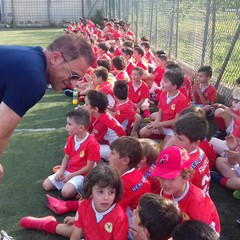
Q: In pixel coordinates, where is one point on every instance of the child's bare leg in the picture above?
(68, 190)
(48, 185)
(225, 168)
(166, 140)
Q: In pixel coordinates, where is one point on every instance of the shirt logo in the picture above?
(164, 159)
(108, 227)
(185, 216)
(173, 107)
(118, 112)
(82, 154)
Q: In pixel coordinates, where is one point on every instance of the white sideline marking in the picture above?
(38, 129)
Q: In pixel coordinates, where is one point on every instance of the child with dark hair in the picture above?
(171, 103)
(204, 93)
(173, 170)
(155, 217)
(119, 64)
(194, 230)
(140, 61)
(125, 110)
(82, 152)
(102, 50)
(99, 210)
(151, 150)
(127, 53)
(139, 92)
(148, 54)
(103, 126)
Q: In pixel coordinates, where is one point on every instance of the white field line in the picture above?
(38, 129)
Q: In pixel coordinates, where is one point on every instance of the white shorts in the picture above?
(237, 169)
(145, 105)
(76, 181)
(230, 127)
(167, 131)
(104, 151)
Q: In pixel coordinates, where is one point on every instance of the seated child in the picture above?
(173, 170)
(189, 130)
(171, 103)
(127, 53)
(119, 64)
(194, 230)
(151, 150)
(139, 92)
(82, 151)
(155, 217)
(125, 111)
(100, 184)
(231, 117)
(139, 59)
(103, 126)
(204, 93)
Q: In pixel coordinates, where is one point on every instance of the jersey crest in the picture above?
(108, 227)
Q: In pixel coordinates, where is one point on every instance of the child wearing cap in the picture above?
(231, 118)
(173, 170)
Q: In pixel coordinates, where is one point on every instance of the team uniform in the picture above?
(158, 73)
(155, 184)
(186, 88)
(194, 204)
(80, 152)
(149, 56)
(139, 93)
(123, 75)
(106, 88)
(16, 87)
(142, 63)
(170, 109)
(125, 113)
(108, 225)
(208, 92)
(130, 67)
(200, 163)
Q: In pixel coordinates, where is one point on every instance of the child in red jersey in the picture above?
(125, 110)
(171, 103)
(204, 93)
(103, 126)
(139, 92)
(99, 214)
(231, 118)
(173, 170)
(119, 64)
(139, 59)
(102, 49)
(148, 54)
(189, 130)
(151, 151)
(127, 53)
(82, 151)
(155, 217)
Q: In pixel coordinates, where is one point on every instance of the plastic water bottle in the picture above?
(75, 97)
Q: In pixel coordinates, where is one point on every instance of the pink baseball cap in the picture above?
(170, 163)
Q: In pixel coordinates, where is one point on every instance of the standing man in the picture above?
(25, 72)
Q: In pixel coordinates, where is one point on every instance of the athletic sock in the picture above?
(146, 113)
(72, 205)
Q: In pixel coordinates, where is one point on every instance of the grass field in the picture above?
(30, 156)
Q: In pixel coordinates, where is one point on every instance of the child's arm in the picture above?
(60, 175)
(198, 91)
(76, 234)
(229, 111)
(136, 124)
(82, 171)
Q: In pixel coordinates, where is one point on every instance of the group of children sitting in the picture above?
(130, 186)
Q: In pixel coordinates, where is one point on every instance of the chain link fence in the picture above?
(195, 33)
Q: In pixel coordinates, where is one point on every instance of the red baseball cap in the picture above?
(171, 161)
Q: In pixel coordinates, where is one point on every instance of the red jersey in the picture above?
(89, 149)
(236, 128)
(99, 33)
(209, 94)
(104, 57)
(155, 184)
(201, 177)
(137, 94)
(112, 224)
(125, 113)
(134, 186)
(175, 106)
(117, 51)
(106, 88)
(194, 204)
(123, 75)
(106, 129)
(158, 72)
(130, 67)
(186, 88)
(149, 56)
(142, 63)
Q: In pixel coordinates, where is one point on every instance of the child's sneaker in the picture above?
(215, 176)
(68, 92)
(236, 194)
(56, 205)
(36, 223)
(4, 236)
